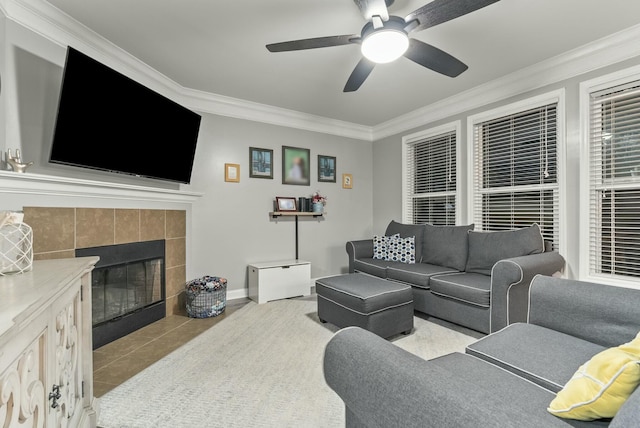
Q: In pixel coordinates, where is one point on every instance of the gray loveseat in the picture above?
(505, 379)
(475, 279)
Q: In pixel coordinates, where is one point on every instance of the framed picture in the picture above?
(347, 181)
(232, 172)
(295, 166)
(286, 204)
(326, 169)
(260, 163)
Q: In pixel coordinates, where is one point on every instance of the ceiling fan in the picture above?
(385, 38)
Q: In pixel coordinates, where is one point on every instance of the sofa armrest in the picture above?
(629, 413)
(383, 385)
(510, 280)
(357, 250)
(599, 313)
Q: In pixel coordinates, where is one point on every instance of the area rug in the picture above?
(260, 367)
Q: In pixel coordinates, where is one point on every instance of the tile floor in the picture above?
(119, 360)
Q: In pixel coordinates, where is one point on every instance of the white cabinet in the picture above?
(46, 365)
(279, 280)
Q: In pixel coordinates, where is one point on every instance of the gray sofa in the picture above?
(505, 379)
(479, 280)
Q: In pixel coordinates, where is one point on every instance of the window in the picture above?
(430, 183)
(614, 181)
(515, 168)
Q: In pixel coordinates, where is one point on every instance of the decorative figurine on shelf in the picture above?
(318, 201)
(16, 162)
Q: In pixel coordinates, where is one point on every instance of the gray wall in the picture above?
(232, 227)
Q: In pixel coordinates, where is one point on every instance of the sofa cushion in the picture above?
(593, 319)
(502, 392)
(543, 356)
(601, 385)
(487, 248)
(471, 288)
(371, 266)
(417, 274)
(408, 230)
(402, 249)
(446, 245)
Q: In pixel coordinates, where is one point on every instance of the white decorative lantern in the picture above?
(16, 244)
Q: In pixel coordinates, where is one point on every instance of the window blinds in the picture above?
(430, 191)
(614, 181)
(515, 172)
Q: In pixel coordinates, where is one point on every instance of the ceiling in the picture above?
(219, 47)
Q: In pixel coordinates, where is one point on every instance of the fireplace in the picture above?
(128, 288)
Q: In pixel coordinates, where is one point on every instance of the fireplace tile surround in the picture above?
(58, 232)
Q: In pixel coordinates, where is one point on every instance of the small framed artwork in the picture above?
(260, 163)
(286, 204)
(295, 166)
(347, 181)
(326, 169)
(232, 172)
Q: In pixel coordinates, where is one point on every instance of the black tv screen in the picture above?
(109, 122)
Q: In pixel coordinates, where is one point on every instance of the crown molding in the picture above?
(605, 51)
(241, 109)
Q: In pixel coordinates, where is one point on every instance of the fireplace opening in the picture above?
(128, 288)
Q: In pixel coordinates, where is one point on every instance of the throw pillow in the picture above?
(381, 246)
(406, 231)
(487, 248)
(600, 386)
(446, 245)
(402, 249)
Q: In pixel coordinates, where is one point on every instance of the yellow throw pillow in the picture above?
(600, 386)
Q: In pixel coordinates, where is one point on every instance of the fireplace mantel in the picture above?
(40, 184)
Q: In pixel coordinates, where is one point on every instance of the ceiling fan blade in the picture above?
(439, 11)
(434, 58)
(318, 42)
(370, 8)
(359, 75)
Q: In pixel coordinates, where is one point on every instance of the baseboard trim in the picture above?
(244, 293)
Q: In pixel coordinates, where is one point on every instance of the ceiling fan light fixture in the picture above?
(385, 45)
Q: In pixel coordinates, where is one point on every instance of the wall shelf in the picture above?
(275, 214)
(296, 215)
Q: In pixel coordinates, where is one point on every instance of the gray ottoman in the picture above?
(380, 306)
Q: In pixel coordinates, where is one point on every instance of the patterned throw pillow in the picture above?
(402, 249)
(380, 247)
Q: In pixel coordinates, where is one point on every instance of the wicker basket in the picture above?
(206, 297)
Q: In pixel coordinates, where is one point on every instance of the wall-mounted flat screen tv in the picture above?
(107, 121)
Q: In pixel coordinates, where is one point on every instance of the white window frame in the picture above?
(407, 140)
(557, 96)
(588, 87)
